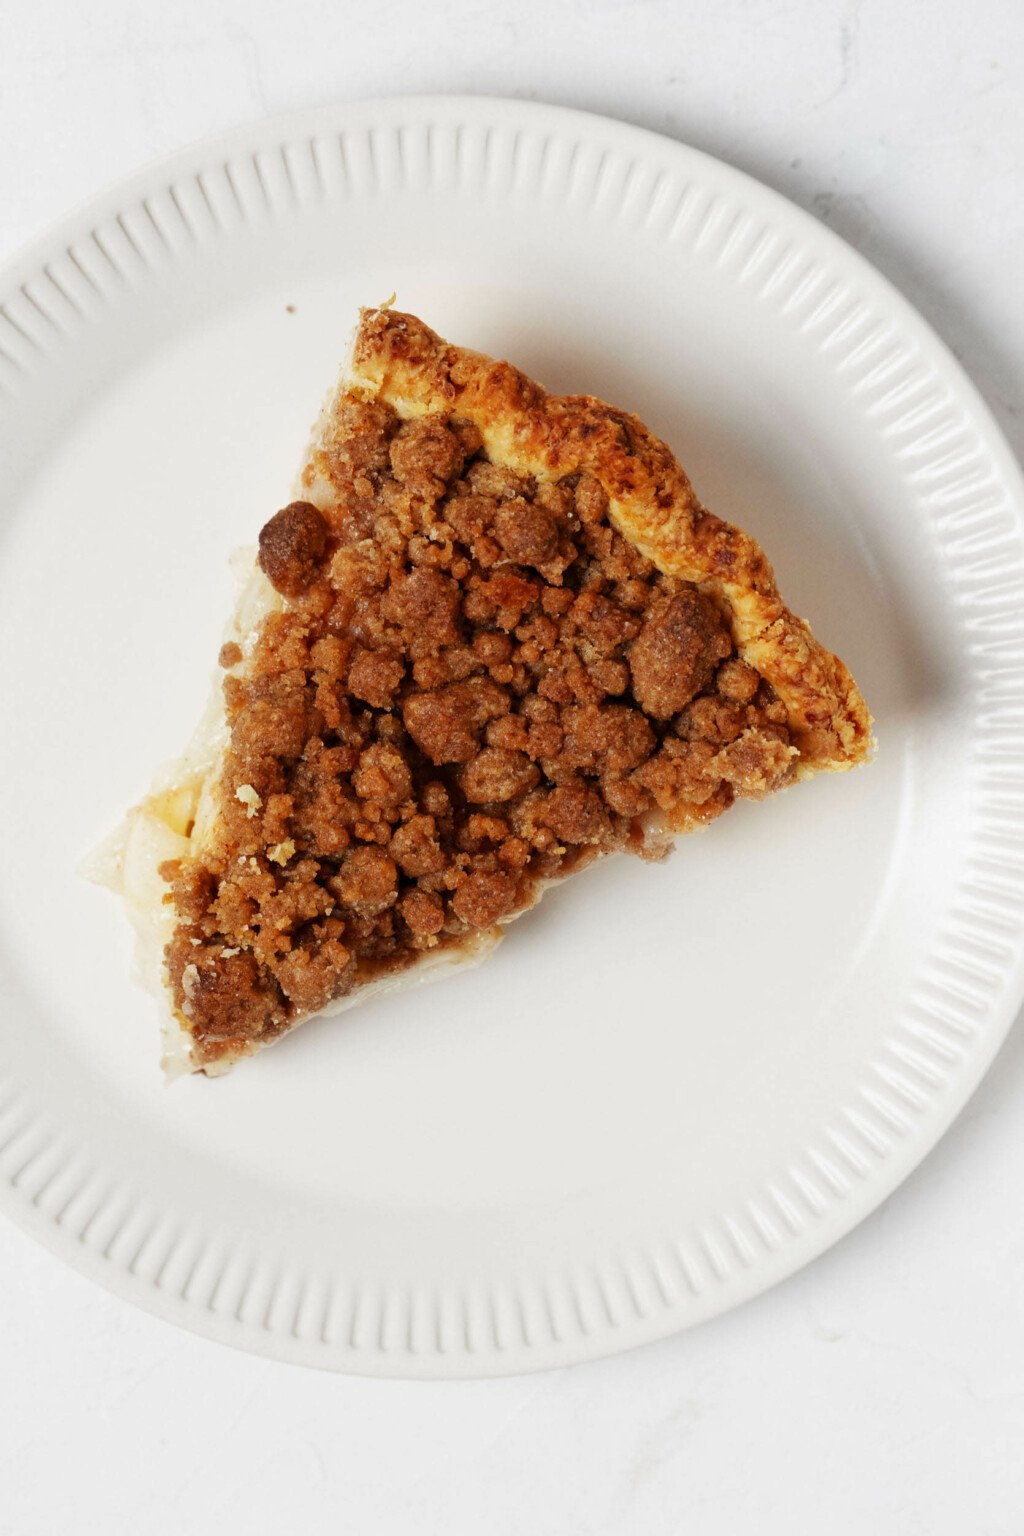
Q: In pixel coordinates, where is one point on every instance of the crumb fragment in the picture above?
(249, 798)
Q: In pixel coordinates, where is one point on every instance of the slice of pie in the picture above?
(494, 637)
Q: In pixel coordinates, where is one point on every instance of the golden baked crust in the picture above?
(398, 359)
(496, 636)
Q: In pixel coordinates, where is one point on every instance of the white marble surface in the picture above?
(883, 1389)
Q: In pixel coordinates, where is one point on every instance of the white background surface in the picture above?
(881, 1390)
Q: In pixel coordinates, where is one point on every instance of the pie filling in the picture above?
(474, 686)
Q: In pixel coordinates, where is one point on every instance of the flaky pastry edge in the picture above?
(399, 360)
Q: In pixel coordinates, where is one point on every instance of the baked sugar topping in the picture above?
(475, 686)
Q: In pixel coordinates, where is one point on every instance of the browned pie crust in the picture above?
(494, 637)
(402, 361)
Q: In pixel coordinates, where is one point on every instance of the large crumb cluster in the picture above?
(476, 685)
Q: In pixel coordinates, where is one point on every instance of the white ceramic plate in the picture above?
(672, 1085)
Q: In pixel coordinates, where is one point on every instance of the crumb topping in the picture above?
(476, 685)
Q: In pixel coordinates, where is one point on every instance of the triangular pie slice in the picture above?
(494, 637)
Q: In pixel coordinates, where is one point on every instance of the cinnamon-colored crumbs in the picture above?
(476, 685)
